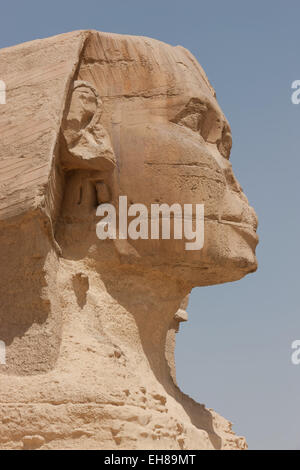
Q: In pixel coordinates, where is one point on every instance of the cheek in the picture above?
(169, 167)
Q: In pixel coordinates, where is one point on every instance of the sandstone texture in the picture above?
(89, 325)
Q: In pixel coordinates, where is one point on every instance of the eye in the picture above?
(205, 120)
(192, 116)
(192, 121)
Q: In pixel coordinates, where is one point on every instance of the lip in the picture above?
(247, 231)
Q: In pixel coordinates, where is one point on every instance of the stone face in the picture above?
(89, 325)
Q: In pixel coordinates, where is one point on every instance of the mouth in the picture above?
(248, 232)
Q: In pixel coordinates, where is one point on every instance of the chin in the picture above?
(239, 265)
(231, 263)
(239, 257)
(246, 264)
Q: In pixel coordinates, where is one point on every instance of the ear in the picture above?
(86, 144)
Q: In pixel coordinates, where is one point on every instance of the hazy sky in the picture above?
(234, 354)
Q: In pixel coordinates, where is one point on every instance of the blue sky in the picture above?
(234, 354)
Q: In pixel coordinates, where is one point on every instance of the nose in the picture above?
(253, 217)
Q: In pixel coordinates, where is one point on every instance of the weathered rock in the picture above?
(89, 325)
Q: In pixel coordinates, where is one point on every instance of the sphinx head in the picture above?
(166, 142)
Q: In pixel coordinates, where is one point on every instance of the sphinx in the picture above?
(89, 324)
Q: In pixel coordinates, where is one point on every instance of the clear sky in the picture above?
(234, 354)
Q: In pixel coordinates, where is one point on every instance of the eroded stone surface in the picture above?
(90, 325)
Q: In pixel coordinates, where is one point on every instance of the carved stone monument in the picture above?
(89, 325)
